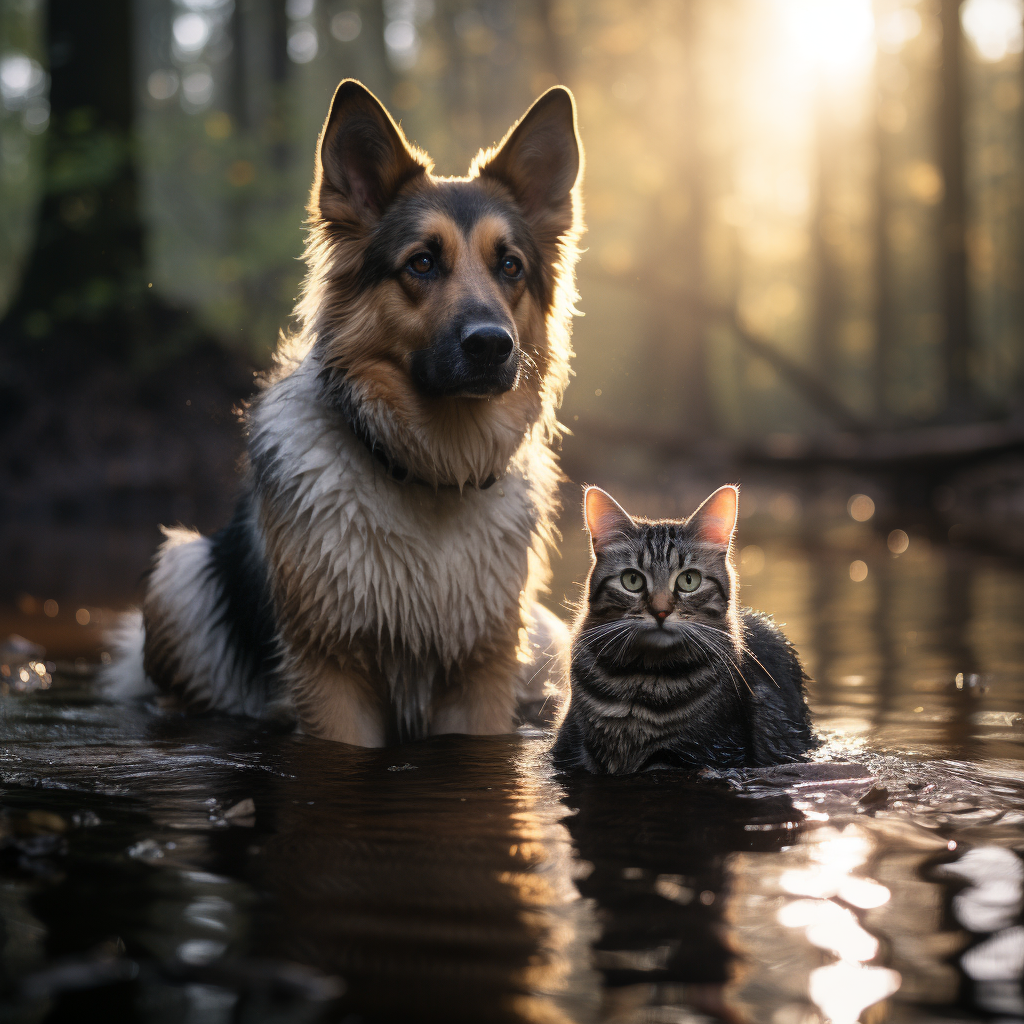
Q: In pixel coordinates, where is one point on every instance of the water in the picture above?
(164, 869)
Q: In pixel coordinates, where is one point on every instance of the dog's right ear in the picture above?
(362, 158)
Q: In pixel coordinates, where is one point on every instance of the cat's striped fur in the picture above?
(665, 675)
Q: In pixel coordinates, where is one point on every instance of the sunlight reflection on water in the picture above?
(462, 874)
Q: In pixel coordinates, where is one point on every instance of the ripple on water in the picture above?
(462, 880)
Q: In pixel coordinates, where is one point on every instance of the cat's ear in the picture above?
(540, 161)
(362, 159)
(715, 521)
(605, 517)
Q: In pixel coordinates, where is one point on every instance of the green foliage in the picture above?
(21, 150)
(737, 159)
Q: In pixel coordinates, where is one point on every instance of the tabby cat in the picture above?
(666, 670)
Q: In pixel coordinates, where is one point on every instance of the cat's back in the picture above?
(766, 642)
(779, 717)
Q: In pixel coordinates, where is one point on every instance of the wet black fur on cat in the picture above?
(666, 671)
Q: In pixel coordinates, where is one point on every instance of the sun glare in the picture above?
(994, 27)
(834, 36)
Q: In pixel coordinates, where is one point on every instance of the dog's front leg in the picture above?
(335, 700)
(482, 699)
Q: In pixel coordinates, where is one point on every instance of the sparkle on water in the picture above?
(222, 870)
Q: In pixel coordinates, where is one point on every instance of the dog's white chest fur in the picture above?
(425, 574)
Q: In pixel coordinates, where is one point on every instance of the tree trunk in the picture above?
(827, 287)
(89, 432)
(84, 297)
(956, 348)
(885, 297)
(693, 378)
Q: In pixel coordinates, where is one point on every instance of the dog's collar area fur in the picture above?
(395, 470)
(340, 398)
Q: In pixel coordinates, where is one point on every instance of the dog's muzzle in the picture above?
(478, 360)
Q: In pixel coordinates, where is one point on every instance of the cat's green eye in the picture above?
(688, 581)
(633, 581)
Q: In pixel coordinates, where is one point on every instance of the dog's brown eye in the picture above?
(421, 263)
(511, 267)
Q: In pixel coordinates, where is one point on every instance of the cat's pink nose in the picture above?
(661, 614)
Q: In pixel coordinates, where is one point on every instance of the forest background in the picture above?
(804, 248)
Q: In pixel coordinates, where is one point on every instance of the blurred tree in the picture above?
(953, 241)
(827, 300)
(885, 298)
(84, 295)
(685, 328)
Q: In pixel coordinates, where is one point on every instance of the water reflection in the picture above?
(438, 894)
(989, 907)
(886, 652)
(658, 850)
(844, 989)
(461, 880)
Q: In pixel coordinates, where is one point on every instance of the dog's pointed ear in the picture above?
(362, 158)
(715, 521)
(541, 160)
(606, 518)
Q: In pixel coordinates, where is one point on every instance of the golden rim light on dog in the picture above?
(373, 583)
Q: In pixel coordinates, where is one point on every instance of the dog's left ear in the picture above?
(540, 161)
(362, 159)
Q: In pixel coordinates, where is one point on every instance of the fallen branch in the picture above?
(804, 381)
(812, 387)
(872, 449)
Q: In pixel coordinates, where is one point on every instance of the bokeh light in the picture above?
(898, 541)
(833, 36)
(995, 27)
(861, 508)
(191, 32)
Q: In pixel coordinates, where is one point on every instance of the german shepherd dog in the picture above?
(379, 576)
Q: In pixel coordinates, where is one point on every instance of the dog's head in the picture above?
(439, 307)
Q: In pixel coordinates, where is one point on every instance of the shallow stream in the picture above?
(164, 869)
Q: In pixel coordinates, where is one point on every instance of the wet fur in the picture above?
(374, 605)
(710, 686)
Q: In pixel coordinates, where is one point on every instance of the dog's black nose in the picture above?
(487, 344)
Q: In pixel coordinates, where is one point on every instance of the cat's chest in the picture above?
(636, 707)
(660, 725)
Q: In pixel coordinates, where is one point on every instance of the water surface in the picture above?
(159, 868)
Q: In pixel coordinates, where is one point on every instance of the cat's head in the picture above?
(671, 580)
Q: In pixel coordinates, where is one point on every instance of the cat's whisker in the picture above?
(703, 645)
(743, 648)
(626, 638)
(731, 667)
(604, 625)
(607, 636)
(746, 650)
(625, 633)
(722, 648)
